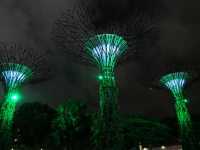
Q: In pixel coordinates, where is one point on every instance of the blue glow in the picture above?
(13, 78)
(175, 83)
(105, 53)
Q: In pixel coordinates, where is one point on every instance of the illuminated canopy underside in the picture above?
(105, 49)
(15, 74)
(175, 82)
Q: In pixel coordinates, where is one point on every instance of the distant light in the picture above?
(41, 149)
(12, 149)
(151, 88)
(163, 147)
(145, 148)
(15, 140)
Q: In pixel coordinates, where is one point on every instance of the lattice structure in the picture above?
(175, 82)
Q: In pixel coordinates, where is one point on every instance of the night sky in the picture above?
(30, 22)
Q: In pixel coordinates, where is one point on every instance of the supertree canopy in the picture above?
(175, 82)
(79, 33)
(17, 66)
(15, 74)
(105, 49)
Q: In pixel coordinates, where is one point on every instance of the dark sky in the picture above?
(30, 22)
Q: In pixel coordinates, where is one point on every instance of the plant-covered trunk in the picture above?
(108, 136)
(6, 120)
(187, 137)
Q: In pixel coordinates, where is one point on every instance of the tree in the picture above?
(148, 132)
(71, 128)
(32, 124)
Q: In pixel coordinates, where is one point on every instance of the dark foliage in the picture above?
(32, 124)
(71, 126)
(149, 132)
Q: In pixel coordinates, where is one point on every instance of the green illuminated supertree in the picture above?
(17, 66)
(78, 33)
(105, 49)
(175, 82)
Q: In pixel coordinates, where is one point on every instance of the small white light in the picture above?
(145, 148)
(163, 147)
(15, 140)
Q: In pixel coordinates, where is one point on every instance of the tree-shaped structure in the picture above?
(175, 82)
(105, 49)
(79, 33)
(70, 125)
(17, 66)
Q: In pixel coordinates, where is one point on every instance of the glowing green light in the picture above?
(15, 96)
(100, 77)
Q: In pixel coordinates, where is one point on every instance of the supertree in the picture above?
(175, 82)
(78, 33)
(17, 65)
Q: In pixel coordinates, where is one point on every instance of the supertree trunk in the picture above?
(106, 131)
(185, 125)
(6, 116)
(108, 112)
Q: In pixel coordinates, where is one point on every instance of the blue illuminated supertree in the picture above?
(17, 66)
(77, 33)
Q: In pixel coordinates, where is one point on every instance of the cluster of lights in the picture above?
(162, 148)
